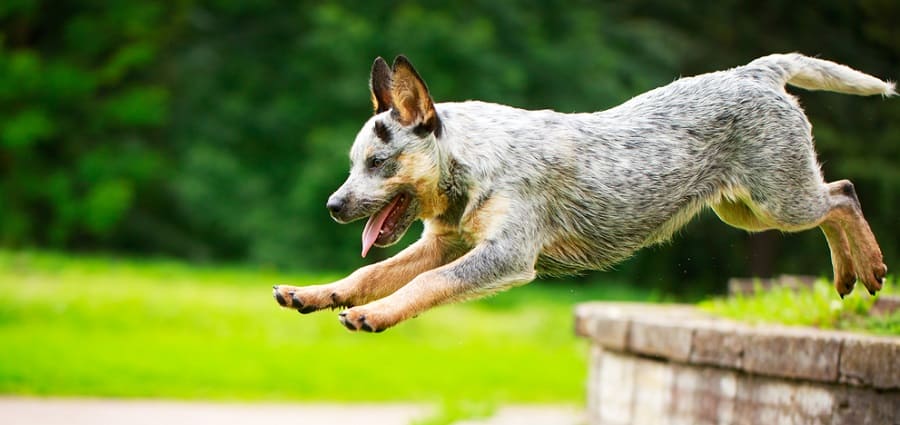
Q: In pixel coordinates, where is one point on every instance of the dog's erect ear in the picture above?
(380, 84)
(410, 99)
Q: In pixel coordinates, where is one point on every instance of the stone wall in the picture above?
(675, 365)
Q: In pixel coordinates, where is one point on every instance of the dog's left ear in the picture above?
(410, 99)
(380, 84)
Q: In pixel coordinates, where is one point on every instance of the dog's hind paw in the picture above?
(876, 280)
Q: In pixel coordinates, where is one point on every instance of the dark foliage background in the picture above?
(215, 130)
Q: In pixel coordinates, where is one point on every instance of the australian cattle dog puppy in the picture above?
(506, 193)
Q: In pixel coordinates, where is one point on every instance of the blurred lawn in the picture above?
(124, 328)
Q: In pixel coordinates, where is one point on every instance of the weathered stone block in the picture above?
(609, 332)
(583, 325)
(871, 361)
(595, 383)
(702, 395)
(792, 353)
(653, 392)
(616, 392)
(866, 407)
(719, 344)
(660, 337)
(762, 400)
(607, 327)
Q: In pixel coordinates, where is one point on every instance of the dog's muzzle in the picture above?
(336, 205)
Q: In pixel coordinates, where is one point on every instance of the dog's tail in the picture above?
(817, 74)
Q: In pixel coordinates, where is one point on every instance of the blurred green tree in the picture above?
(81, 111)
(216, 129)
(285, 89)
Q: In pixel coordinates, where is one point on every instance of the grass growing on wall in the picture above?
(818, 306)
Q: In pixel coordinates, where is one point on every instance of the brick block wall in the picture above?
(674, 365)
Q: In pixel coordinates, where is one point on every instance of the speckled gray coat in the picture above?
(506, 193)
(592, 188)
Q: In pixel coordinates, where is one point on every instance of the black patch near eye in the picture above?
(382, 132)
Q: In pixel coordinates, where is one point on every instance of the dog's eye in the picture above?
(376, 162)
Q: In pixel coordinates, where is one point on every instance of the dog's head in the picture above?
(394, 169)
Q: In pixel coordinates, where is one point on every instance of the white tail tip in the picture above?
(890, 89)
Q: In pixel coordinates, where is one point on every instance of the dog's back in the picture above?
(607, 183)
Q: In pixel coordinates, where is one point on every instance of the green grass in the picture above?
(123, 328)
(818, 306)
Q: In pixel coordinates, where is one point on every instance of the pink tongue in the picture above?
(373, 226)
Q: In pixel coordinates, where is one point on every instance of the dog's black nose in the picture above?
(335, 204)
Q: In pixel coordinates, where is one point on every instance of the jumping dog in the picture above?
(507, 193)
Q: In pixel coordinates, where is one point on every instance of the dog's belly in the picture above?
(571, 255)
(596, 242)
(553, 263)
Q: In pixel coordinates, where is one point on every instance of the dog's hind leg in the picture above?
(833, 207)
(738, 214)
(841, 258)
(775, 182)
(851, 231)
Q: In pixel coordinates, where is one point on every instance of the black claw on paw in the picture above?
(280, 299)
(365, 326)
(346, 322)
(842, 295)
(306, 310)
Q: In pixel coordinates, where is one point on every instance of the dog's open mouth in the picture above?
(383, 226)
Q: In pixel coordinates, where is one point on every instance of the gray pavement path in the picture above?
(64, 411)
(532, 415)
(81, 411)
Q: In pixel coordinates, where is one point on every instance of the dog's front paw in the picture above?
(361, 319)
(306, 299)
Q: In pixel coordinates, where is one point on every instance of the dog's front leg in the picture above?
(488, 268)
(373, 281)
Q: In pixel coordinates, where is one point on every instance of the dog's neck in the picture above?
(453, 182)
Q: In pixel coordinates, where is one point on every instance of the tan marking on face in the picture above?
(420, 171)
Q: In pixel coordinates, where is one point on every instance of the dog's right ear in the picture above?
(411, 101)
(380, 84)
